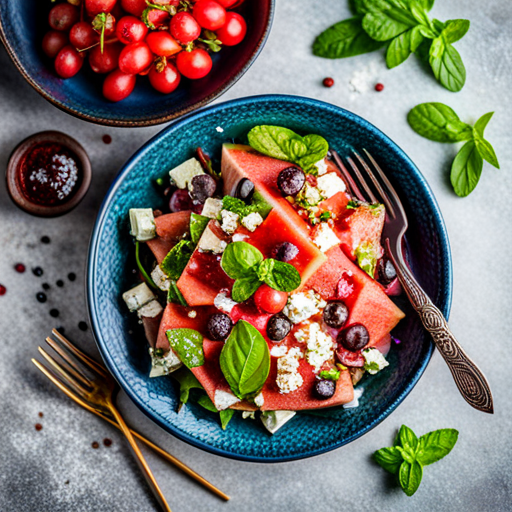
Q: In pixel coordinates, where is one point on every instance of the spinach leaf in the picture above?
(188, 344)
(239, 258)
(466, 169)
(174, 295)
(279, 275)
(483, 146)
(245, 287)
(410, 476)
(245, 360)
(389, 458)
(447, 64)
(198, 224)
(436, 445)
(175, 262)
(438, 122)
(346, 38)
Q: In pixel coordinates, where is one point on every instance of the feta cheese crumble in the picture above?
(358, 393)
(224, 303)
(321, 167)
(224, 399)
(252, 221)
(182, 175)
(238, 237)
(274, 420)
(374, 360)
(320, 346)
(142, 223)
(249, 415)
(210, 242)
(259, 400)
(138, 296)
(288, 377)
(219, 129)
(312, 195)
(192, 314)
(303, 305)
(325, 238)
(212, 208)
(150, 310)
(163, 365)
(160, 279)
(330, 184)
(278, 350)
(229, 221)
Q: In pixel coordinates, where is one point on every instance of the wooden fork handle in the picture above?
(471, 382)
(143, 465)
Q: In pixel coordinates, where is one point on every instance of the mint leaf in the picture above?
(240, 259)
(245, 360)
(188, 344)
(483, 146)
(279, 275)
(245, 287)
(389, 458)
(198, 224)
(466, 169)
(317, 148)
(174, 295)
(187, 381)
(455, 30)
(399, 50)
(438, 122)
(407, 438)
(176, 260)
(436, 445)
(447, 64)
(388, 24)
(331, 374)
(410, 476)
(346, 38)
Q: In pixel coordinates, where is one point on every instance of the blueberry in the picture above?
(335, 314)
(324, 389)
(278, 327)
(202, 187)
(244, 190)
(285, 251)
(219, 326)
(386, 271)
(354, 338)
(291, 180)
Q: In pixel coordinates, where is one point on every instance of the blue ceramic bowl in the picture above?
(23, 24)
(121, 340)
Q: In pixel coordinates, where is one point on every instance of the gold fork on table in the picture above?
(90, 385)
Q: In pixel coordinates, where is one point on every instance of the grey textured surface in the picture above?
(35, 466)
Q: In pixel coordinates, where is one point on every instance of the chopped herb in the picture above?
(175, 262)
(324, 216)
(331, 374)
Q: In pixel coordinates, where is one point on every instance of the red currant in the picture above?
(184, 27)
(130, 29)
(68, 62)
(106, 61)
(209, 14)
(82, 35)
(166, 80)
(161, 43)
(134, 58)
(118, 85)
(53, 42)
(233, 31)
(194, 64)
(63, 16)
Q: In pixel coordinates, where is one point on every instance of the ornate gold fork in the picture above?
(469, 379)
(89, 384)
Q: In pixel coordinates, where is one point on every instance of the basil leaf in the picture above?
(410, 476)
(187, 381)
(436, 445)
(225, 417)
(426, 4)
(418, 35)
(455, 30)
(447, 65)
(239, 259)
(466, 169)
(245, 360)
(483, 146)
(317, 148)
(273, 141)
(438, 122)
(389, 458)
(245, 287)
(346, 38)
(198, 224)
(482, 123)
(331, 374)
(385, 25)
(176, 260)
(205, 401)
(279, 275)
(174, 295)
(399, 50)
(407, 438)
(423, 50)
(188, 344)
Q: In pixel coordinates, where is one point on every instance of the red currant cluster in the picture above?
(163, 39)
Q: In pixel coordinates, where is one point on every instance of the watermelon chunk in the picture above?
(170, 228)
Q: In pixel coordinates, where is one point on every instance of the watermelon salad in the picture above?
(267, 288)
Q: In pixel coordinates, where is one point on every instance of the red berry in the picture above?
(134, 58)
(328, 82)
(269, 300)
(118, 85)
(164, 81)
(82, 35)
(227, 3)
(184, 27)
(180, 201)
(157, 17)
(3, 289)
(233, 31)
(63, 16)
(53, 42)
(94, 7)
(68, 62)
(379, 87)
(135, 7)
(130, 29)
(209, 14)
(19, 267)
(195, 64)
(161, 43)
(108, 60)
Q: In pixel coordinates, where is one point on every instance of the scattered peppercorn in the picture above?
(95, 445)
(45, 240)
(3, 289)
(107, 139)
(37, 271)
(55, 313)
(38, 426)
(71, 276)
(41, 297)
(66, 482)
(60, 283)
(60, 329)
(46, 286)
(82, 326)
(40, 414)
(328, 82)
(19, 267)
(379, 87)
(107, 441)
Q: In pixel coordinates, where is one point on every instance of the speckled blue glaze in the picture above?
(81, 95)
(121, 340)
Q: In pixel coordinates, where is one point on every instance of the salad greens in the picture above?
(175, 262)
(440, 123)
(408, 455)
(406, 28)
(188, 344)
(187, 381)
(198, 224)
(225, 415)
(174, 295)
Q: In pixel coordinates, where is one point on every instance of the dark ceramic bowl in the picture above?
(121, 339)
(23, 24)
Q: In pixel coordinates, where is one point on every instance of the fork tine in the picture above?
(80, 355)
(357, 172)
(71, 365)
(67, 377)
(348, 178)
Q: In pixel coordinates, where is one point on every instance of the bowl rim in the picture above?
(144, 122)
(447, 277)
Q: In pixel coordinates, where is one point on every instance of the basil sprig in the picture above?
(188, 344)
(407, 457)
(244, 263)
(404, 25)
(245, 360)
(284, 144)
(440, 123)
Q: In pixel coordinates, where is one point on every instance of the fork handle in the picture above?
(469, 379)
(143, 465)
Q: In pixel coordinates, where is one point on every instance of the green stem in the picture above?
(142, 270)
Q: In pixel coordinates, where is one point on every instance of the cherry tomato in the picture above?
(195, 64)
(165, 81)
(209, 14)
(233, 31)
(270, 300)
(68, 62)
(135, 7)
(63, 16)
(130, 29)
(184, 27)
(94, 7)
(118, 85)
(108, 60)
(162, 43)
(53, 42)
(227, 3)
(134, 58)
(82, 35)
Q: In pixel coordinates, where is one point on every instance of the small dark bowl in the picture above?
(23, 24)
